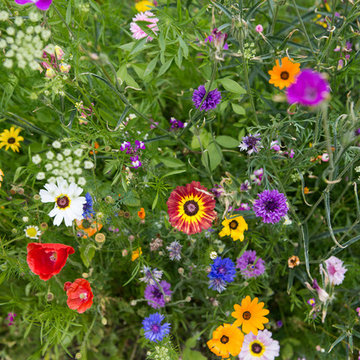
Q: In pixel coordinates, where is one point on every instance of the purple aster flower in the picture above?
(250, 265)
(135, 162)
(88, 210)
(155, 294)
(213, 98)
(335, 270)
(217, 284)
(270, 206)
(40, 4)
(250, 143)
(176, 124)
(151, 276)
(309, 89)
(223, 269)
(174, 250)
(154, 330)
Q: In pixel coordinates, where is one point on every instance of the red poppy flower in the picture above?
(47, 260)
(191, 208)
(80, 296)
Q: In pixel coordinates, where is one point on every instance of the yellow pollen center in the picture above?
(31, 232)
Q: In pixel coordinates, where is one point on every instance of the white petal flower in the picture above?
(48, 167)
(32, 232)
(56, 144)
(78, 152)
(50, 155)
(4, 15)
(88, 164)
(40, 176)
(67, 152)
(81, 181)
(36, 159)
(76, 163)
(78, 171)
(59, 157)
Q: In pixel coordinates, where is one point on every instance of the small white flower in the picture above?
(37, 29)
(32, 232)
(71, 179)
(40, 176)
(67, 152)
(69, 160)
(132, 116)
(78, 152)
(4, 15)
(9, 40)
(59, 157)
(8, 63)
(81, 181)
(76, 163)
(213, 255)
(34, 16)
(52, 180)
(48, 167)
(25, 219)
(45, 34)
(65, 174)
(3, 44)
(36, 159)
(10, 30)
(50, 155)
(78, 171)
(88, 164)
(56, 144)
(29, 30)
(56, 163)
(287, 220)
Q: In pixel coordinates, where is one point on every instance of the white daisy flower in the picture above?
(67, 199)
(88, 164)
(32, 232)
(36, 159)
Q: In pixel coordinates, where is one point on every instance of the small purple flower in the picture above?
(250, 265)
(259, 28)
(212, 99)
(88, 210)
(279, 324)
(257, 176)
(223, 269)
(243, 207)
(335, 270)
(357, 132)
(139, 145)
(176, 124)
(217, 190)
(217, 284)
(309, 89)
(135, 162)
(275, 146)
(250, 143)
(174, 250)
(125, 145)
(151, 276)
(312, 302)
(154, 330)
(155, 294)
(11, 318)
(40, 4)
(270, 206)
(245, 186)
(218, 38)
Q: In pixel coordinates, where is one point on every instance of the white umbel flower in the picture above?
(67, 199)
(88, 164)
(36, 159)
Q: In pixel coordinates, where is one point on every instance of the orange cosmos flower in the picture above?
(141, 214)
(250, 314)
(227, 339)
(284, 75)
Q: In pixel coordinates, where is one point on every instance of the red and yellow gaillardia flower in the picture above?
(227, 339)
(284, 75)
(191, 208)
(234, 227)
(250, 315)
(11, 139)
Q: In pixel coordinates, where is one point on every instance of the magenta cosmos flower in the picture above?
(41, 4)
(136, 30)
(335, 270)
(309, 89)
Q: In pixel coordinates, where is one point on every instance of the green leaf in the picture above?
(212, 156)
(340, 338)
(192, 355)
(172, 162)
(68, 13)
(151, 66)
(174, 172)
(87, 253)
(184, 47)
(227, 141)
(205, 138)
(238, 109)
(232, 86)
(164, 67)
(131, 198)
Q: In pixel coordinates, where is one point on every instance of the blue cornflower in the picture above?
(223, 269)
(88, 210)
(154, 330)
(217, 284)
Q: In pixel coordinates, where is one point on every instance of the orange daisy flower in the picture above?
(250, 315)
(227, 339)
(284, 75)
(89, 227)
(141, 214)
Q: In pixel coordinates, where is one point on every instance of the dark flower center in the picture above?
(157, 294)
(271, 205)
(224, 339)
(86, 224)
(155, 328)
(191, 208)
(284, 75)
(247, 315)
(251, 141)
(11, 140)
(256, 348)
(233, 224)
(63, 202)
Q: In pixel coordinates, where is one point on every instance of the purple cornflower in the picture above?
(250, 265)
(217, 284)
(335, 270)
(309, 89)
(223, 269)
(218, 38)
(155, 294)
(11, 318)
(40, 4)
(88, 210)
(250, 143)
(270, 206)
(174, 250)
(151, 276)
(154, 330)
(212, 99)
(245, 186)
(176, 124)
(135, 162)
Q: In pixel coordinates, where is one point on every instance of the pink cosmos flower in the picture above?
(136, 30)
(335, 270)
(40, 4)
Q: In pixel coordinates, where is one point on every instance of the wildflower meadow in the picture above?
(179, 179)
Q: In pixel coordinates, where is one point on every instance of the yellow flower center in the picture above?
(31, 232)
(63, 202)
(257, 349)
(246, 315)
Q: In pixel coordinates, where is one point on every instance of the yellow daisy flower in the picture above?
(250, 315)
(144, 5)
(234, 227)
(11, 139)
(227, 339)
(284, 75)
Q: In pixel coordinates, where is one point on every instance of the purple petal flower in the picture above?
(217, 284)
(155, 294)
(40, 4)
(213, 98)
(270, 206)
(250, 265)
(151, 276)
(88, 210)
(135, 162)
(154, 330)
(139, 145)
(335, 270)
(176, 124)
(309, 89)
(174, 250)
(250, 143)
(125, 145)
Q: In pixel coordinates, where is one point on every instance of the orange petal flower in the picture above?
(141, 214)
(89, 227)
(284, 75)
